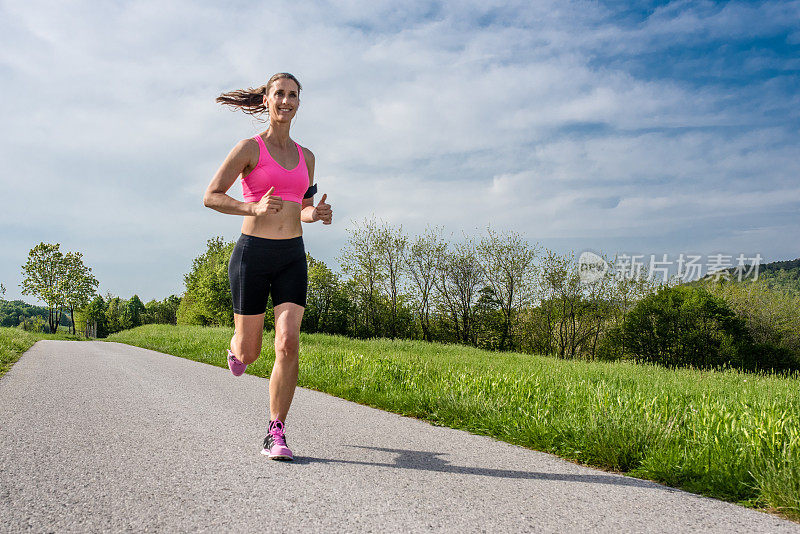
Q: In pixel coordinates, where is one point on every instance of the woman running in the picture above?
(269, 257)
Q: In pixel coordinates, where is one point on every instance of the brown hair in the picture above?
(251, 100)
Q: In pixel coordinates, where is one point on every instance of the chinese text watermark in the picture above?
(687, 267)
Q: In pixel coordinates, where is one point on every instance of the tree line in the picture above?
(113, 314)
(69, 290)
(497, 291)
(494, 290)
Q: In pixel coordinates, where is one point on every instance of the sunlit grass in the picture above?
(726, 434)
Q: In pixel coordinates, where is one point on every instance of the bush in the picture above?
(683, 326)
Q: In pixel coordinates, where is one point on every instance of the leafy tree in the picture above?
(536, 328)
(336, 321)
(360, 260)
(553, 275)
(600, 310)
(43, 275)
(189, 311)
(162, 312)
(34, 324)
(571, 314)
(508, 268)
(421, 261)
(323, 286)
(95, 312)
(573, 330)
(390, 247)
(489, 320)
(132, 312)
(459, 276)
(207, 299)
(78, 284)
(2, 290)
(114, 321)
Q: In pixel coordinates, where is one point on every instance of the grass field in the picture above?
(14, 342)
(725, 434)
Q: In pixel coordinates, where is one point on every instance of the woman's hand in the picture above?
(269, 203)
(323, 211)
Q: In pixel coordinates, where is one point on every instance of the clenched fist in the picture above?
(269, 203)
(323, 212)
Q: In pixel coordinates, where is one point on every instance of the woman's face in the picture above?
(282, 100)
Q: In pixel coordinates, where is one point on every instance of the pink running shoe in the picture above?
(237, 368)
(275, 442)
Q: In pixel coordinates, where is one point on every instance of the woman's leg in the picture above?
(283, 380)
(246, 340)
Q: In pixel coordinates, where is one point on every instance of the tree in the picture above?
(564, 309)
(360, 260)
(133, 312)
(95, 312)
(78, 284)
(113, 320)
(508, 268)
(627, 287)
(421, 261)
(600, 310)
(43, 276)
(390, 247)
(162, 312)
(2, 290)
(553, 273)
(489, 320)
(459, 276)
(207, 300)
(322, 288)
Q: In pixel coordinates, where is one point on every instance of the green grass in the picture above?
(726, 434)
(14, 342)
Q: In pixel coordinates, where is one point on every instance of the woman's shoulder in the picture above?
(249, 142)
(307, 153)
(247, 146)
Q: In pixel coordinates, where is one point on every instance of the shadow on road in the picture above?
(430, 461)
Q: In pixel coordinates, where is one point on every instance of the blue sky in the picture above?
(663, 128)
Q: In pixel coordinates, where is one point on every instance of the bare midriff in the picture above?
(282, 225)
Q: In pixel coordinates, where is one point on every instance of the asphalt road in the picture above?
(107, 437)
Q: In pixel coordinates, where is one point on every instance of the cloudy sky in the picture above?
(672, 127)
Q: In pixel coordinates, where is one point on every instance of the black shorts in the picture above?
(260, 266)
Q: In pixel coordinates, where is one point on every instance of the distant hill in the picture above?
(779, 275)
(12, 310)
(782, 275)
(778, 265)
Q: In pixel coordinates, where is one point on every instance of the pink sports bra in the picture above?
(289, 184)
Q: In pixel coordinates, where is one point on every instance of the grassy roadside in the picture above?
(14, 342)
(729, 435)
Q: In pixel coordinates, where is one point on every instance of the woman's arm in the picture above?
(308, 212)
(216, 196)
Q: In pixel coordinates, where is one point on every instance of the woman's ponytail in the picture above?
(251, 100)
